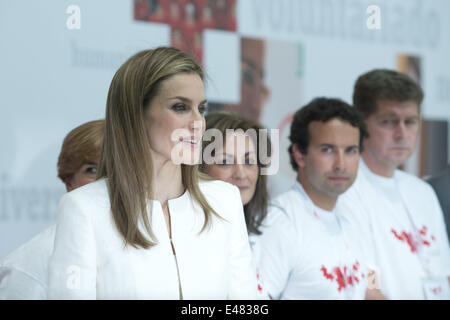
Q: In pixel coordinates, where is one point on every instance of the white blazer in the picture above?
(90, 261)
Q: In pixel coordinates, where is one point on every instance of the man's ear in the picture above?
(298, 156)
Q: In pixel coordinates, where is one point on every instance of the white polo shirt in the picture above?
(310, 253)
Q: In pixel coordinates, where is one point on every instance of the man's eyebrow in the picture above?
(327, 145)
(387, 114)
(394, 115)
(187, 100)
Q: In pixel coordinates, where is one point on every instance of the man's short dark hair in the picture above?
(384, 84)
(323, 110)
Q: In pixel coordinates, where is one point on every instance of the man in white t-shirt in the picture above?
(309, 248)
(23, 273)
(406, 226)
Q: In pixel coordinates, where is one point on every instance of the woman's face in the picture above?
(236, 163)
(174, 119)
(85, 174)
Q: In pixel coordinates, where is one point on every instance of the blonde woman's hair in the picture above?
(80, 146)
(126, 161)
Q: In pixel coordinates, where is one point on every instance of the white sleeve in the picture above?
(72, 269)
(278, 247)
(242, 273)
(18, 285)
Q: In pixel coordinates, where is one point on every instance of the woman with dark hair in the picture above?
(151, 226)
(237, 160)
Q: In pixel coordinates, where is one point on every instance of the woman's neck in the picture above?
(167, 181)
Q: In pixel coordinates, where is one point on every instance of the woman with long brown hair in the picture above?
(237, 159)
(152, 226)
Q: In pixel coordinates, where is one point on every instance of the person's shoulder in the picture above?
(283, 222)
(288, 202)
(290, 195)
(218, 190)
(97, 188)
(411, 182)
(214, 186)
(222, 196)
(91, 194)
(41, 244)
(288, 207)
(408, 177)
(361, 180)
(31, 257)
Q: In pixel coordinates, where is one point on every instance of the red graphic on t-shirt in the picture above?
(437, 290)
(339, 278)
(423, 231)
(326, 274)
(406, 237)
(411, 241)
(347, 276)
(258, 281)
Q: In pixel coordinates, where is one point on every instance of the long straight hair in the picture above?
(125, 161)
